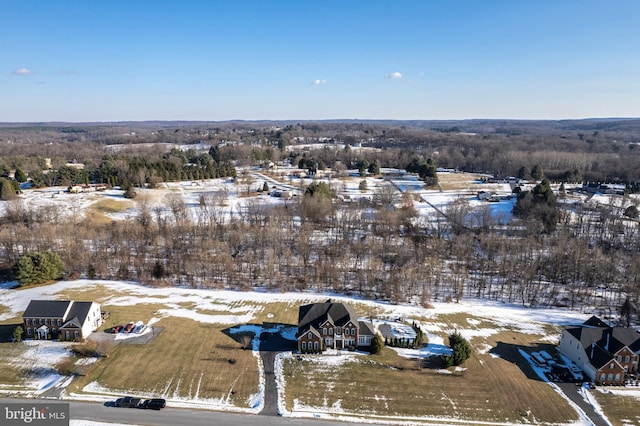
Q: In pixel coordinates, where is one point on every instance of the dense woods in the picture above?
(318, 243)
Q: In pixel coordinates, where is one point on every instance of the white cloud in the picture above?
(318, 82)
(394, 75)
(22, 71)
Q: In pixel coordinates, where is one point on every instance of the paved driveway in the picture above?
(270, 345)
(571, 391)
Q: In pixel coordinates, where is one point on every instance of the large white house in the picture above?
(63, 319)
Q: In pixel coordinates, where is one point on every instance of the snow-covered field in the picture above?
(46, 354)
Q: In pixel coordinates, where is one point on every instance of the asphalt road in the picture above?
(173, 416)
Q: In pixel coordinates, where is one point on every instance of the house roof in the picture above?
(80, 310)
(46, 309)
(366, 328)
(316, 314)
(72, 323)
(594, 321)
(611, 339)
(598, 356)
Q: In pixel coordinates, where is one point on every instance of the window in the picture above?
(309, 336)
(28, 331)
(618, 377)
(353, 331)
(619, 358)
(330, 331)
(304, 346)
(28, 321)
(603, 377)
(627, 358)
(611, 366)
(315, 346)
(610, 377)
(59, 322)
(324, 331)
(346, 331)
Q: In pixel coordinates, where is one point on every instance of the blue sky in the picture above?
(118, 60)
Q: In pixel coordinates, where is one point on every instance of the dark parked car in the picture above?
(154, 404)
(128, 402)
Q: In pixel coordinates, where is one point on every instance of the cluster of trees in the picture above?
(37, 268)
(381, 253)
(540, 204)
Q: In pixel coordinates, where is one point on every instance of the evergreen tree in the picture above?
(6, 190)
(536, 172)
(460, 347)
(319, 189)
(20, 176)
(36, 268)
(374, 168)
(376, 344)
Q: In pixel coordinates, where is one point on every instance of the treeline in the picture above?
(126, 170)
(569, 151)
(392, 254)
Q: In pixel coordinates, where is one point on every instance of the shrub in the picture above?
(376, 344)
(17, 334)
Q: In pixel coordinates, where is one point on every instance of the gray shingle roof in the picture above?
(46, 309)
(315, 314)
(80, 310)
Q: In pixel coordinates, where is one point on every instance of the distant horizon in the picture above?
(85, 62)
(294, 120)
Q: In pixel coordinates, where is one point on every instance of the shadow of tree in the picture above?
(6, 332)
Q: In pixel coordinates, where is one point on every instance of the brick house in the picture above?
(331, 325)
(607, 355)
(63, 319)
